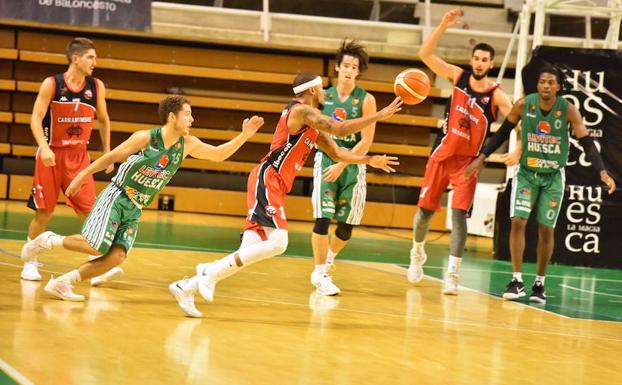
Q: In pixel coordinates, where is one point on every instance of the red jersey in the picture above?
(467, 120)
(288, 152)
(69, 120)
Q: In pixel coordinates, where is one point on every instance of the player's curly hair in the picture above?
(355, 49)
(171, 103)
(78, 46)
(553, 70)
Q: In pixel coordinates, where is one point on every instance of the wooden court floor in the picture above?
(266, 326)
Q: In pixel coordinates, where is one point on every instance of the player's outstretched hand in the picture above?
(611, 184)
(384, 162)
(474, 167)
(251, 125)
(110, 169)
(451, 18)
(395, 106)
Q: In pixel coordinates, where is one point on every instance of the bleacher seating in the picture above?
(225, 85)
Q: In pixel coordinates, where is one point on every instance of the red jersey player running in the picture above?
(300, 128)
(61, 123)
(471, 109)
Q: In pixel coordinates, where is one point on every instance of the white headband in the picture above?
(310, 84)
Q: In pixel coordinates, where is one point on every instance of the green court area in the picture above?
(572, 291)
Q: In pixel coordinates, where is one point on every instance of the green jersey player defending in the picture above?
(153, 157)
(546, 120)
(339, 188)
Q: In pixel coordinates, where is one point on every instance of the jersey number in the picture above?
(176, 158)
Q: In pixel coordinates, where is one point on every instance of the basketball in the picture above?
(412, 85)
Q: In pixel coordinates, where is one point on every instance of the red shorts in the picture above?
(265, 199)
(438, 175)
(48, 181)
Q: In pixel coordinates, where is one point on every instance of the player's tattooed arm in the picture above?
(312, 117)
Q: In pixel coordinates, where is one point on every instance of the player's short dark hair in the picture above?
(302, 78)
(171, 103)
(78, 46)
(484, 47)
(354, 49)
(549, 69)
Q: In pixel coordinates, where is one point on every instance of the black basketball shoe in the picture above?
(537, 293)
(515, 290)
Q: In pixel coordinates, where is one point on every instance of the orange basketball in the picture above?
(412, 85)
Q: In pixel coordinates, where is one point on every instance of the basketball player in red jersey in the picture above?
(473, 106)
(299, 129)
(61, 123)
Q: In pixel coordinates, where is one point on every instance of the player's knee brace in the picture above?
(344, 231)
(321, 226)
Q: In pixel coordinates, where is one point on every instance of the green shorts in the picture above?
(343, 199)
(542, 191)
(113, 221)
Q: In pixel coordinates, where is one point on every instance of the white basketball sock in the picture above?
(454, 264)
(71, 277)
(330, 257)
(56, 240)
(320, 269)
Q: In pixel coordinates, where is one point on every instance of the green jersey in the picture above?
(545, 137)
(351, 108)
(143, 175)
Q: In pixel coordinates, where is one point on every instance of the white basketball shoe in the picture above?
(185, 298)
(30, 272)
(415, 269)
(108, 276)
(62, 290)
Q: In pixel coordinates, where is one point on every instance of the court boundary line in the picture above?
(588, 291)
(14, 374)
(166, 246)
(369, 265)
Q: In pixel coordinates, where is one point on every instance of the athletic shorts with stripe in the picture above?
(438, 175)
(113, 221)
(540, 191)
(343, 199)
(265, 199)
(48, 181)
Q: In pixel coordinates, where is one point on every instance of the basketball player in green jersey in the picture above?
(539, 183)
(339, 188)
(153, 156)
